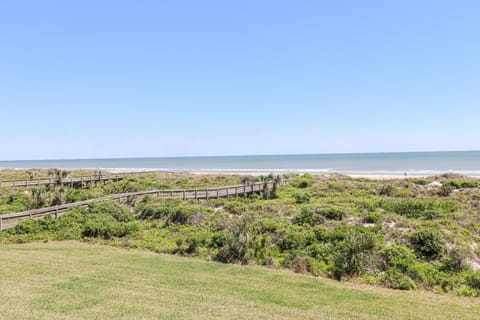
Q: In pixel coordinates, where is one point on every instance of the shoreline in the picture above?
(377, 175)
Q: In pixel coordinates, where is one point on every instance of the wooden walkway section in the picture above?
(8, 221)
(69, 180)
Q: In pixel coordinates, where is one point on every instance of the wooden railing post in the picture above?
(1, 224)
(206, 193)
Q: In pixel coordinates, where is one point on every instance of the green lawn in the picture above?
(70, 280)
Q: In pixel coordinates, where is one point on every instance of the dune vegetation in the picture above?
(407, 234)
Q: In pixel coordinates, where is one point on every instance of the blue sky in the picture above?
(82, 79)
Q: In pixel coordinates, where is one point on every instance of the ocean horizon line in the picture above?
(249, 155)
(435, 162)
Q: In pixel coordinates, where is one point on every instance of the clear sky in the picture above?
(82, 79)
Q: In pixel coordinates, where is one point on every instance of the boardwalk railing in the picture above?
(10, 220)
(69, 180)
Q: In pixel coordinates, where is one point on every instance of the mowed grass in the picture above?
(71, 280)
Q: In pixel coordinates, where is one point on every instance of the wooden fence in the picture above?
(11, 220)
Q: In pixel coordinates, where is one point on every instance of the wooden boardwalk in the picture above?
(69, 180)
(8, 221)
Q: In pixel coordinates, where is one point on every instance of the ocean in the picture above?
(410, 163)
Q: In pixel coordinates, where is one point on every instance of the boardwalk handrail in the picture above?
(73, 179)
(185, 194)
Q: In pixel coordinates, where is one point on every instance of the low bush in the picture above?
(456, 259)
(421, 182)
(373, 217)
(387, 190)
(239, 242)
(396, 279)
(425, 274)
(421, 208)
(303, 181)
(188, 214)
(427, 243)
(312, 215)
(116, 210)
(473, 280)
(356, 254)
(292, 238)
(338, 187)
(398, 257)
(459, 184)
(302, 197)
(155, 211)
(467, 291)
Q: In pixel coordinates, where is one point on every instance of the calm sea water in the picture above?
(467, 162)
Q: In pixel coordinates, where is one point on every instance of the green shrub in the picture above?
(235, 207)
(398, 257)
(368, 204)
(38, 197)
(458, 184)
(473, 280)
(421, 208)
(470, 184)
(356, 254)
(317, 267)
(28, 226)
(339, 187)
(309, 215)
(106, 226)
(321, 251)
(303, 181)
(16, 203)
(467, 292)
(425, 273)
(298, 264)
(239, 242)
(312, 215)
(75, 195)
(427, 243)
(422, 182)
(155, 211)
(395, 279)
(114, 209)
(456, 259)
(186, 215)
(332, 212)
(193, 242)
(446, 190)
(337, 234)
(387, 190)
(373, 217)
(292, 239)
(302, 197)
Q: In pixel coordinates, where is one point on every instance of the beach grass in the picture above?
(72, 280)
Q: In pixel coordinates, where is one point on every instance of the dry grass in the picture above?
(70, 280)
